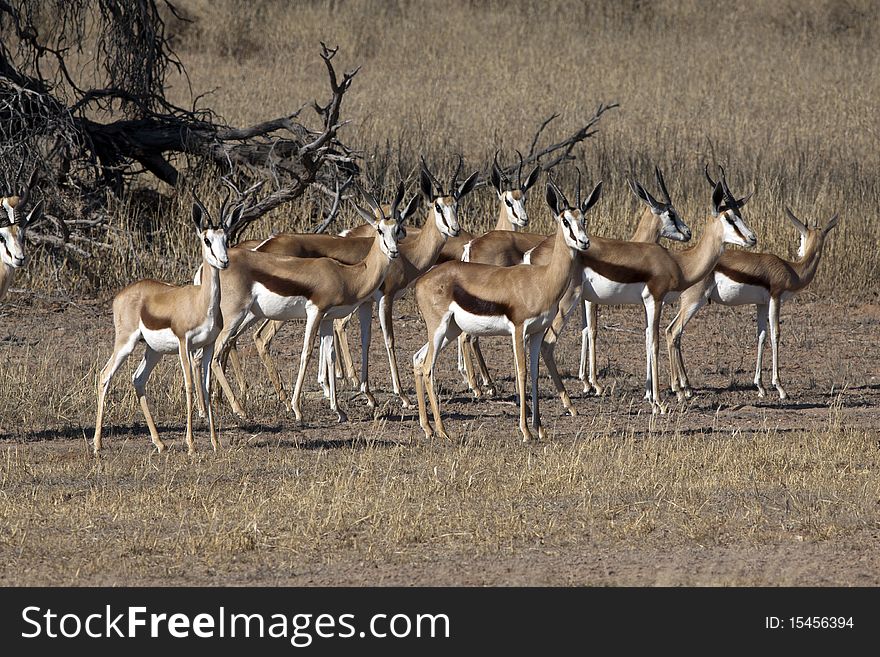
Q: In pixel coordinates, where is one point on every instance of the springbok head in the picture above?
(572, 218)
(391, 227)
(513, 194)
(14, 222)
(444, 199)
(728, 209)
(672, 226)
(812, 237)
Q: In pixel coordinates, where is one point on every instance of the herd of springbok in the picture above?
(504, 282)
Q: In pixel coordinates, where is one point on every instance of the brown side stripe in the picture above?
(477, 306)
(741, 277)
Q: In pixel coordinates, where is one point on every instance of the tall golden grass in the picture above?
(782, 92)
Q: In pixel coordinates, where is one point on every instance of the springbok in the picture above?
(657, 220)
(741, 278)
(419, 253)
(621, 272)
(13, 227)
(263, 285)
(173, 319)
(518, 301)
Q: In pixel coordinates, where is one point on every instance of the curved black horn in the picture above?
(578, 188)
(502, 177)
(433, 178)
(519, 170)
(558, 191)
(398, 197)
(662, 184)
(452, 182)
(202, 207)
(708, 177)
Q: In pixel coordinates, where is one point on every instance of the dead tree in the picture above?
(87, 133)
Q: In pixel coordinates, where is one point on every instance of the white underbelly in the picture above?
(599, 289)
(164, 341)
(729, 292)
(481, 324)
(275, 306)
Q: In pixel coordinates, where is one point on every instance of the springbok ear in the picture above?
(233, 219)
(495, 178)
(35, 215)
(831, 224)
(532, 179)
(410, 208)
(592, 198)
(717, 198)
(638, 190)
(468, 185)
(745, 199)
(365, 215)
(552, 199)
(198, 216)
(425, 185)
(801, 227)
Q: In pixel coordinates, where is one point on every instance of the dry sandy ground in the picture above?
(830, 367)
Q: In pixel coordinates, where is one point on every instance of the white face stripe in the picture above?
(573, 229)
(735, 229)
(389, 231)
(515, 208)
(447, 216)
(214, 248)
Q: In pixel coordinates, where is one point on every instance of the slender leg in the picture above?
(263, 337)
(186, 365)
(653, 308)
(689, 305)
(312, 322)
(121, 351)
(324, 375)
(585, 339)
(761, 329)
(420, 360)
(488, 383)
(443, 335)
(340, 327)
(197, 373)
(462, 367)
(592, 333)
(141, 374)
(224, 341)
(535, 341)
(775, 304)
(327, 346)
(465, 356)
(204, 386)
(385, 307)
(365, 319)
(548, 349)
(519, 358)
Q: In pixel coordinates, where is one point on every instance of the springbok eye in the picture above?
(507, 202)
(207, 242)
(438, 207)
(2, 239)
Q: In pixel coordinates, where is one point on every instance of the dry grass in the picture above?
(783, 93)
(263, 514)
